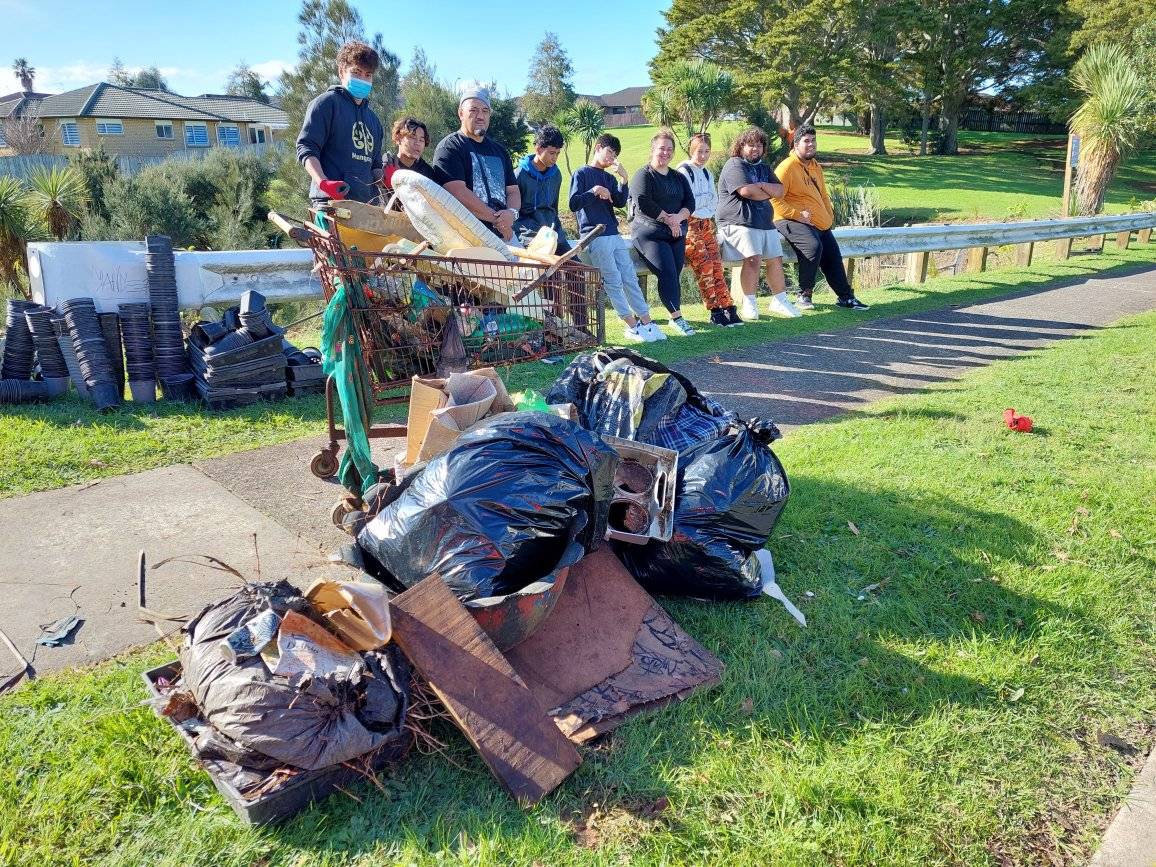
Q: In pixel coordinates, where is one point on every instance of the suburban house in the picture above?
(621, 108)
(136, 122)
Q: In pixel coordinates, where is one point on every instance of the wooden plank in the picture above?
(849, 267)
(1098, 243)
(917, 267)
(977, 260)
(1024, 254)
(487, 700)
(1123, 239)
(1063, 249)
(1144, 236)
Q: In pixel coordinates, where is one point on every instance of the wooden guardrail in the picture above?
(114, 272)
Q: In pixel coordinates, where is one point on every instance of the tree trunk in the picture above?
(926, 123)
(1093, 176)
(863, 122)
(878, 130)
(949, 122)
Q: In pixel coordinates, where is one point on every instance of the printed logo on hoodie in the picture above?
(362, 141)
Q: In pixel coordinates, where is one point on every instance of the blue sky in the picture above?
(197, 43)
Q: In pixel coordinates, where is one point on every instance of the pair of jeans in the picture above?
(664, 256)
(817, 250)
(610, 255)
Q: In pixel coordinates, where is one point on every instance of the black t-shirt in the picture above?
(733, 209)
(483, 166)
(653, 193)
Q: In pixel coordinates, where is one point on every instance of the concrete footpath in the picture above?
(264, 514)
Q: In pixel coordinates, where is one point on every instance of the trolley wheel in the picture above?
(340, 509)
(324, 464)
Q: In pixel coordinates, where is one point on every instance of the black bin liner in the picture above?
(498, 511)
(731, 486)
(731, 490)
(261, 721)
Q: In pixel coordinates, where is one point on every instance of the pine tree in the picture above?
(549, 91)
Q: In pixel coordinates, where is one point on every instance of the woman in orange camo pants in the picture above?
(702, 253)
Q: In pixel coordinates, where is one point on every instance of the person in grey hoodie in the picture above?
(341, 144)
(540, 182)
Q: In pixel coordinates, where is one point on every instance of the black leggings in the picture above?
(664, 257)
(817, 250)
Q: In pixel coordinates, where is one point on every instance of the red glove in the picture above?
(1021, 423)
(334, 189)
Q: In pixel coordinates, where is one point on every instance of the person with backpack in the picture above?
(701, 244)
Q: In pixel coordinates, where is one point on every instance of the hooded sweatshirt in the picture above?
(703, 186)
(540, 192)
(347, 138)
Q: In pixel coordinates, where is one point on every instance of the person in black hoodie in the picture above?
(341, 140)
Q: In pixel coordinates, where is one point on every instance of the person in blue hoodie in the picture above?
(540, 182)
(341, 144)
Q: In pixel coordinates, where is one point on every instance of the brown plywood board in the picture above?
(487, 700)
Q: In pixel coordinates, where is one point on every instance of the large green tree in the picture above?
(243, 81)
(549, 90)
(149, 78)
(1108, 21)
(427, 99)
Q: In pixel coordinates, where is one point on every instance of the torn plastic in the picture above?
(260, 720)
(771, 587)
(498, 511)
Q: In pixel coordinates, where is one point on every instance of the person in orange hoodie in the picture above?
(804, 217)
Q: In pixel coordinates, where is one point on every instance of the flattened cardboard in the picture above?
(608, 652)
(488, 701)
(427, 436)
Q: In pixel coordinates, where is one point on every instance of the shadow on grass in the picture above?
(891, 610)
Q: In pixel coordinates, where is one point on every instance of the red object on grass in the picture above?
(334, 189)
(1021, 423)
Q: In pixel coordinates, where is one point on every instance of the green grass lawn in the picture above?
(67, 442)
(992, 618)
(998, 176)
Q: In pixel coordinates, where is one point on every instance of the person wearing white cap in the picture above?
(477, 170)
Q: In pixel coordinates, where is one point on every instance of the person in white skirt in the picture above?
(746, 222)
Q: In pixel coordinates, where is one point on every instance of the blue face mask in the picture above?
(359, 88)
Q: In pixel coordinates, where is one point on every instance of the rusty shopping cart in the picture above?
(419, 315)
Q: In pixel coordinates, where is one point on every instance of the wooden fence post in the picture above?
(1123, 239)
(916, 267)
(1144, 236)
(1098, 244)
(1024, 254)
(977, 259)
(849, 267)
(1063, 249)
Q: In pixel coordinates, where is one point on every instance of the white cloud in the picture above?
(270, 70)
(57, 79)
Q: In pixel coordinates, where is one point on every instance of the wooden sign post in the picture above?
(1070, 162)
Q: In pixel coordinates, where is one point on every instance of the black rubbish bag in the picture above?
(731, 490)
(261, 721)
(498, 511)
(731, 486)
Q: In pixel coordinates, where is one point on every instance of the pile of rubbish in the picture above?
(244, 358)
(502, 573)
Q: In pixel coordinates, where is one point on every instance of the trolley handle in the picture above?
(295, 229)
(581, 245)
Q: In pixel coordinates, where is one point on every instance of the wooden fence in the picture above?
(23, 166)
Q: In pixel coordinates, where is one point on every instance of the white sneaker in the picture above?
(636, 335)
(653, 332)
(750, 311)
(781, 306)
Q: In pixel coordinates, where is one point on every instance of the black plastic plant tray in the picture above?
(294, 795)
(231, 398)
(305, 373)
(259, 371)
(258, 349)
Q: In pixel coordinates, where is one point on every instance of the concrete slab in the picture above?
(1131, 838)
(811, 378)
(81, 558)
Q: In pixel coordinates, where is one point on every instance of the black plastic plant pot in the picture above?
(181, 388)
(104, 395)
(143, 391)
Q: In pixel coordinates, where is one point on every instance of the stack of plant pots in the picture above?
(110, 328)
(239, 360)
(19, 351)
(91, 352)
(64, 342)
(138, 350)
(168, 338)
(53, 368)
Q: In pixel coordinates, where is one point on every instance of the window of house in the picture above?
(109, 127)
(228, 136)
(165, 129)
(196, 135)
(256, 135)
(3, 141)
(69, 133)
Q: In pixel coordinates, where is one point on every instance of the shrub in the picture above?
(151, 204)
(96, 168)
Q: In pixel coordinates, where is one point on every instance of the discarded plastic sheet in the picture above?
(357, 611)
(306, 650)
(771, 587)
(250, 638)
(482, 692)
(59, 632)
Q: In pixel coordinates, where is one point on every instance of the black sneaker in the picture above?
(852, 303)
(732, 315)
(719, 317)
